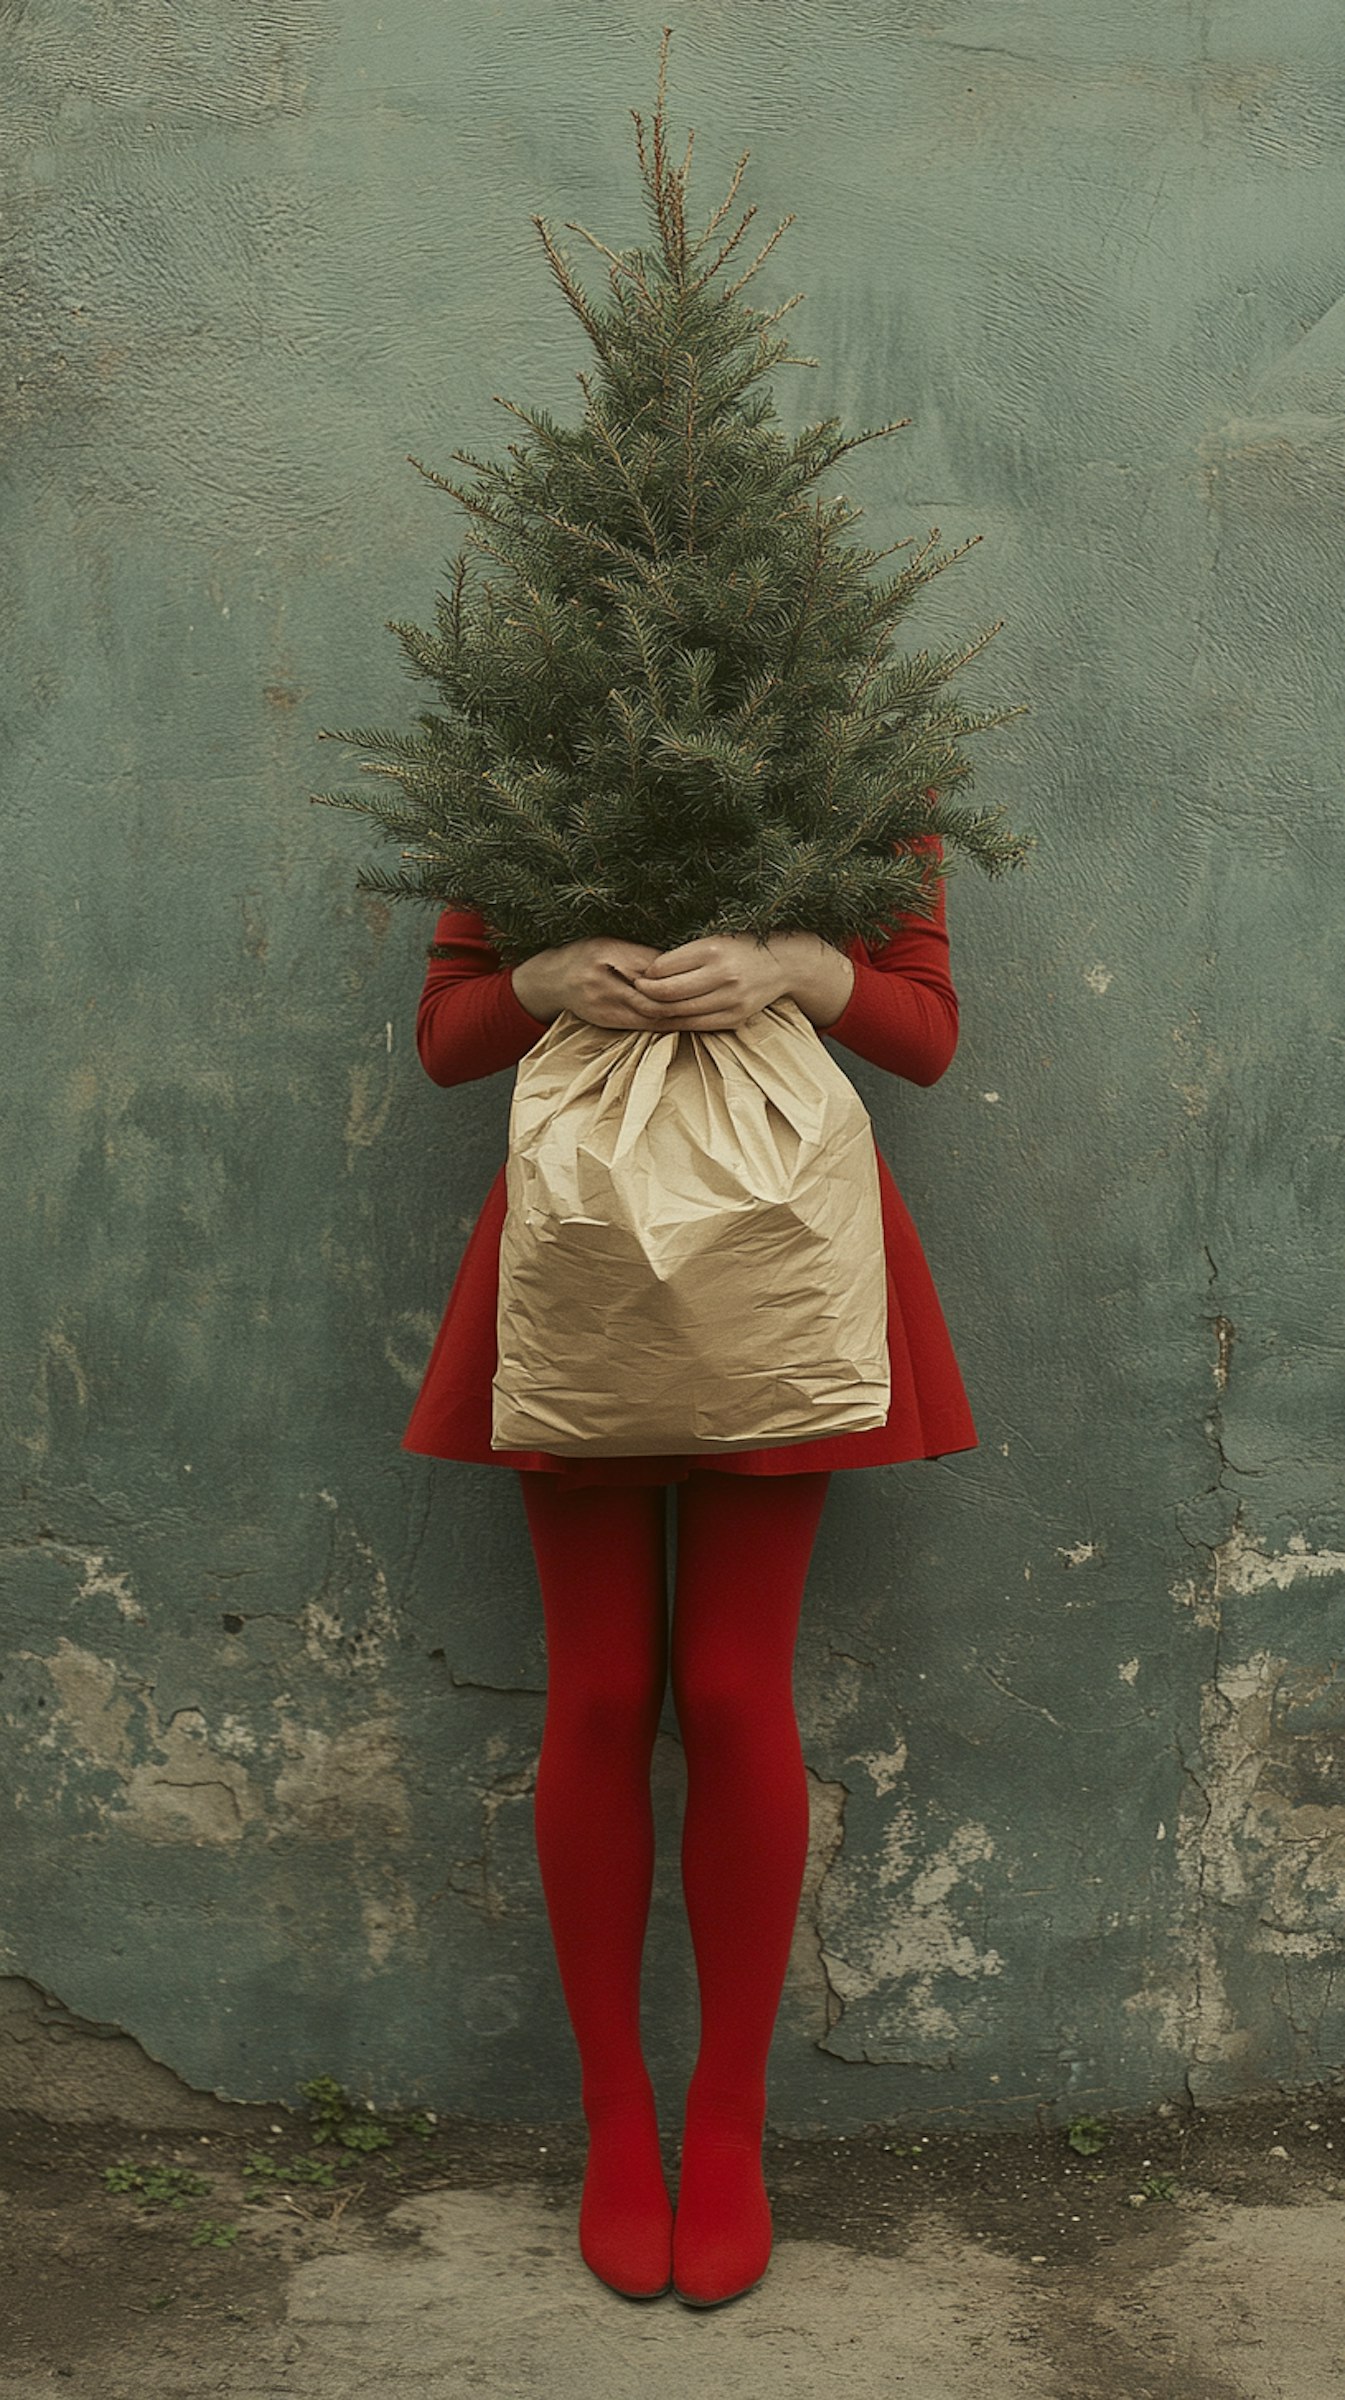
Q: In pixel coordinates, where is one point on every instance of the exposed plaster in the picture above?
(1259, 1842)
(186, 1789)
(353, 1579)
(806, 1977)
(883, 1767)
(1260, 1845)
(344, 1786)
(1237, 1566)
(898, 1954)
(99, 1580)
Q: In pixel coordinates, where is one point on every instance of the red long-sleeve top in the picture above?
(902, 1015)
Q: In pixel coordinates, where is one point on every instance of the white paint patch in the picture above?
(97, 1581)
(1247, 1569)
(990, 1096)
(1098, 978)
(885, 1766)
(1080, 1552)
(917, 1941)
(1128, 1669)
(1237, 1565)
(235, 1739)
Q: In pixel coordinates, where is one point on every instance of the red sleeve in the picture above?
(470, 1021)
(902, 1013)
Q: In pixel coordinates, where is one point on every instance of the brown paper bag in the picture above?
(692, 1254)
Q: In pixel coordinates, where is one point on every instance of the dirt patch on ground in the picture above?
(192, 2258)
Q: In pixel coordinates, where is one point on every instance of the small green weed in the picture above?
(220, 2237)
(1158, 2187)
(328, 2106)
(332, 2118)
(266, 2169)
(1087, 2135)
(155, 2187)
(370, 2136)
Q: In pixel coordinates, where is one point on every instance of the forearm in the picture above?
(821, 977)
(531, 987)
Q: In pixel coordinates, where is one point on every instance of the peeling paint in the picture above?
(900, 1955)
(886, 1767)
(349, 1624)
(1260, 1850)
(807, 1978)
(98, 1580)
(1238, 1566)
(343, 1786)
(186, 1790)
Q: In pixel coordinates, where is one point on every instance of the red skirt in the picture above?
(929, 1415)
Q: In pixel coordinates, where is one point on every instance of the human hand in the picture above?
(714, 984)
(592, 978)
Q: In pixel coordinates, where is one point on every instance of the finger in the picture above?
(624, 967)
(722, 1001)
(647, 1012)
(680, 961)
(690, 983)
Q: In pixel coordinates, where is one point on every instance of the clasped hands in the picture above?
(710, 985)
(715, 983)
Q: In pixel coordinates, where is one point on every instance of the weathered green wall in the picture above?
(273, 1688)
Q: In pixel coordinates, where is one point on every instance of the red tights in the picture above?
(743, 1549)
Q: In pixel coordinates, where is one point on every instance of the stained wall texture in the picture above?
(273, 1689)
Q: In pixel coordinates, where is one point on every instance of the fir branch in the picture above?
(573, 294)
(764, 252)
(620, 265)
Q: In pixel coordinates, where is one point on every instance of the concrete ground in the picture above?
(1193, 2255)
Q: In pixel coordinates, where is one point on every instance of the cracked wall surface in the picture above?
(271, 1689)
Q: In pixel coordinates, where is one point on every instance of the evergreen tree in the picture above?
(674, 710)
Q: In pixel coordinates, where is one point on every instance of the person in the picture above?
(746, 1527)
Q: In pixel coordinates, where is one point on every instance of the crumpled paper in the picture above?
(692, 1254)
